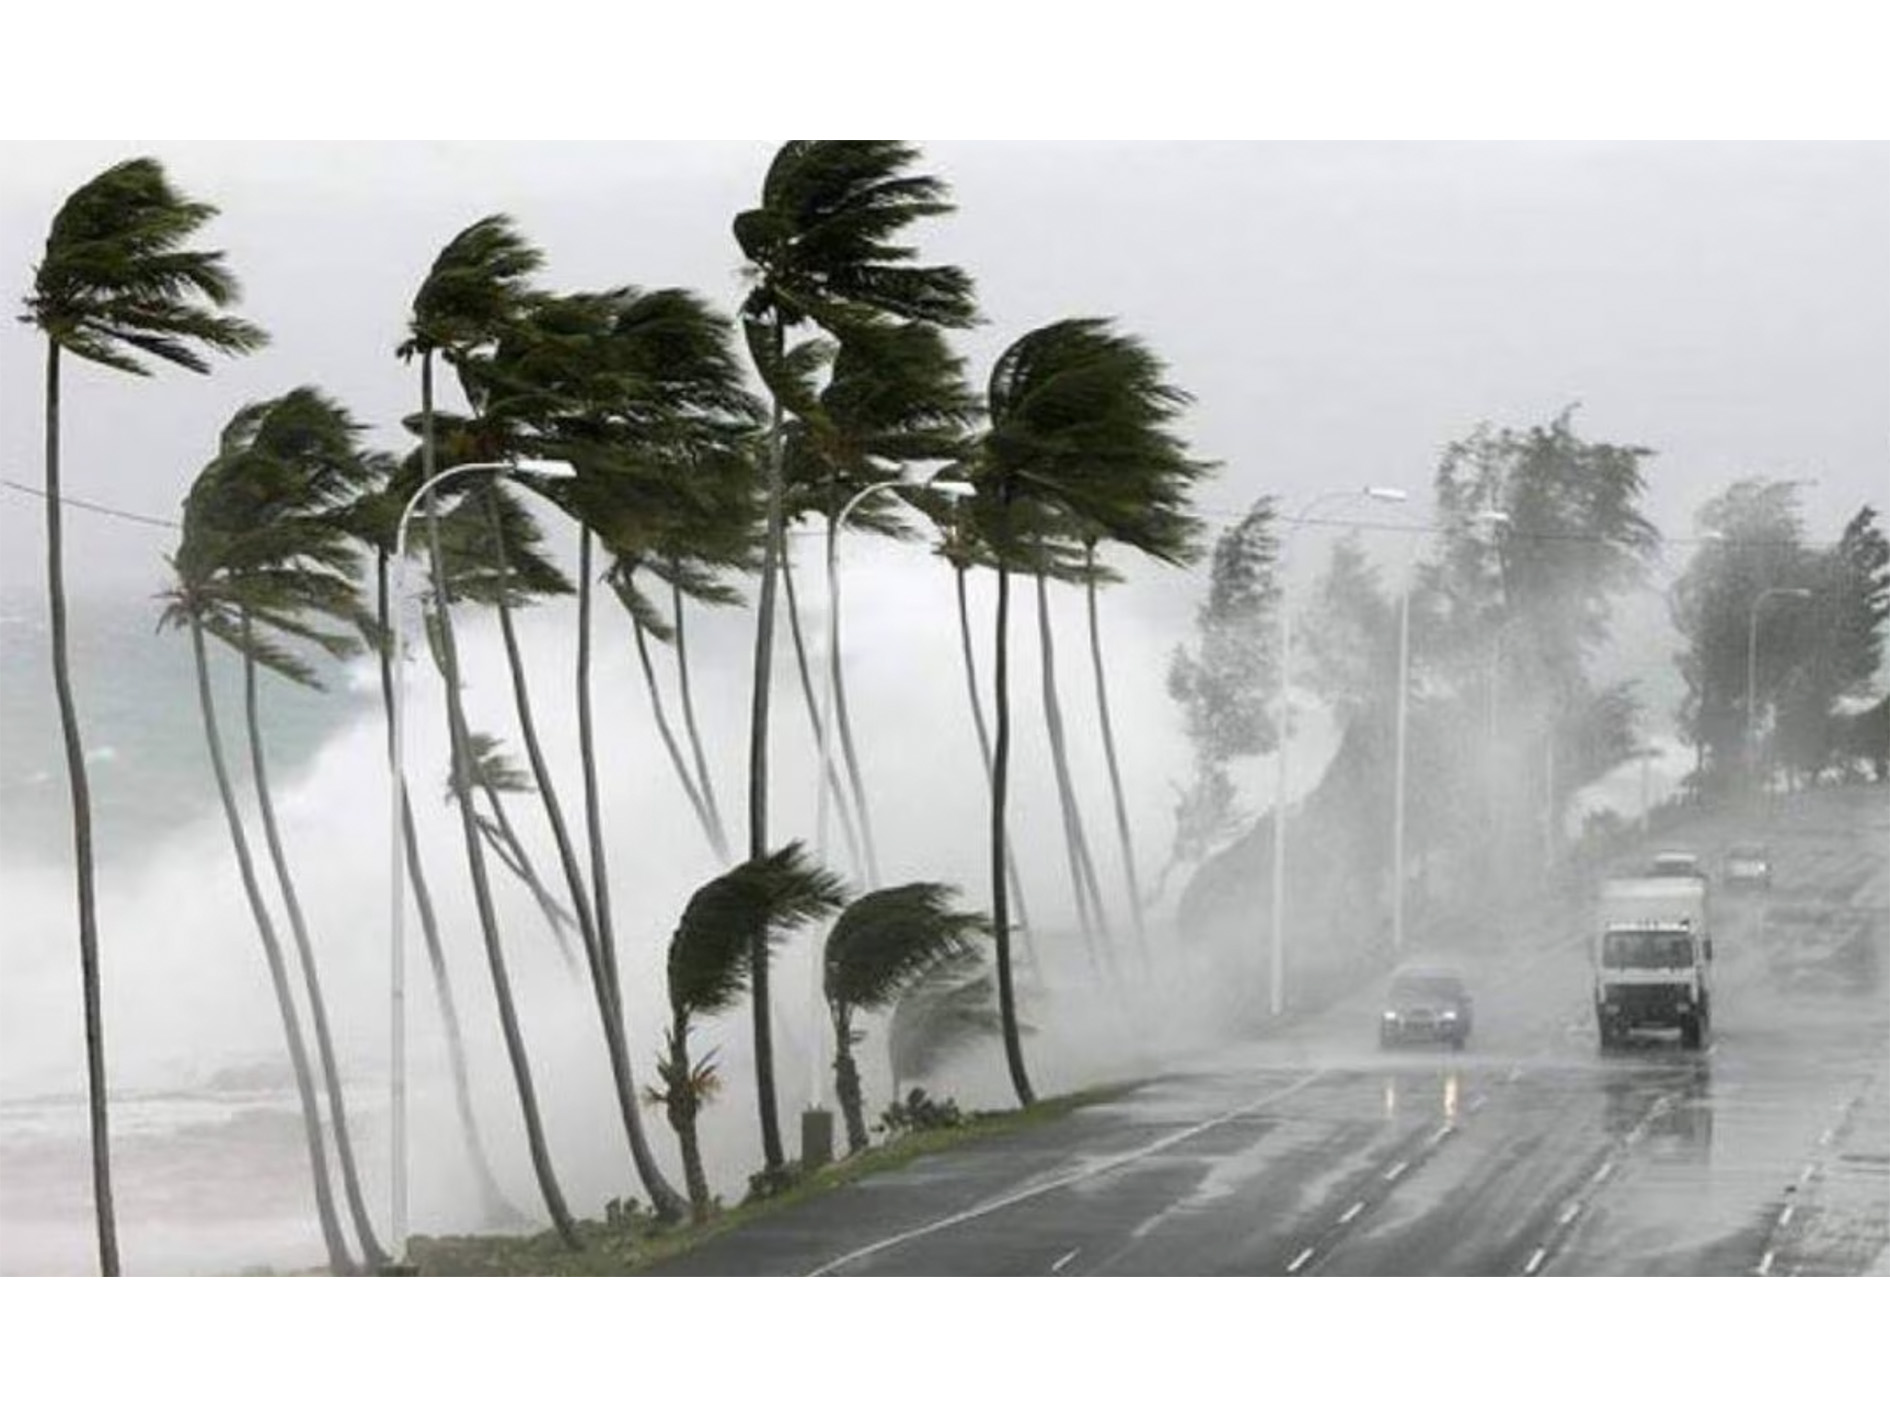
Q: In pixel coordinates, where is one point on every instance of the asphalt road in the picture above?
(1313, 1152)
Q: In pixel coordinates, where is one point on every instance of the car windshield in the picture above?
(1426, 989)
(1647, 949)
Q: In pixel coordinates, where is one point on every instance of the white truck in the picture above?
(1653, 958)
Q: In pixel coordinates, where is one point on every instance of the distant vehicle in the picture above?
(1652, 958)
(1425, 1003)
(1747, 867)
(1676, 863)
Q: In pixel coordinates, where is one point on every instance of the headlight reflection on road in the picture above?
(1391, 1097)
(1450, 1097)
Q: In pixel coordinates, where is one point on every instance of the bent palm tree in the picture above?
(117, 280)
(882, 945)
(823, 248)
(711, 961)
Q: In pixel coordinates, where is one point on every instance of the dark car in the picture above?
(1747, 867)
(1425, 1004)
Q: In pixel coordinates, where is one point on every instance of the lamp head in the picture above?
(544, 467)
(952, 488)
(1388, 494)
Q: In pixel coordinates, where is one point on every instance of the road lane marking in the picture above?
(1476, 1103)
(1804, 1177)
(1355, 1208)
(1765, 1265)
(1442, 1132)
(1395, 1172)
(1058, 1266)
(1569, 1212)
(1607, 1169)
(1535, 1261)
(1785, 1216)
(1304, 1255)
(977, 1212)
(1826, 1139)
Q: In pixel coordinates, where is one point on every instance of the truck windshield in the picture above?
(1647, 949)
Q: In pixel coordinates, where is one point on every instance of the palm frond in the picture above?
(889, 938)
(711, 951)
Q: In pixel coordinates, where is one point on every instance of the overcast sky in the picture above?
(1339, 310)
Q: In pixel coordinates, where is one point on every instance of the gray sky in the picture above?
(1340, 310)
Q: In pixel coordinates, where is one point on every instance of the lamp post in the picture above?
(397, 952)
(1752, 668)
(817, 1121)
(1276, 982)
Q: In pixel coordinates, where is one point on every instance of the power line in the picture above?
(98, 507)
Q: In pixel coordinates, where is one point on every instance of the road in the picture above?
(1530, 1153)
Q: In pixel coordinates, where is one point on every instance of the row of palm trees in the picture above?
(683, 478)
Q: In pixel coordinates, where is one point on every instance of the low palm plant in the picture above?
(710, 964)
(881, 945)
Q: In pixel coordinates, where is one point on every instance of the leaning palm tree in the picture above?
(233, 565)
(117, 281)
(293, 467)
(1079, 428)
(881, 945)
(944, 1011)
(474, 290)
(823, 248)
(711, 962)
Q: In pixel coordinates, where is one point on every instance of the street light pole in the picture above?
(1397, 809)
(817, 1121)
(397, 951)
(1276, 973)
(1752, 669)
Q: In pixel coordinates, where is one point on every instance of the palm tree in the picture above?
(882, 944)
(234, 564)
(823, 247)
(1079, 428)
(945, 1010)
(711, 960)
(295, 465)
(117, 281)
(475, 288)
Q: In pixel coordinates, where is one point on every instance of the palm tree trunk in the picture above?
(339, 1260)
(984, 754)
(846, 1082)
(682, 1105)
(498, 1210)
(773, 1155)
(475, 856)
(371, 1252)
(846, 737)
(89, 976)
(663, 1197)
(704, 782)
(861, 856)
(1089, 904)
(514, 857)
(710, 828)
(1000, 787)
(1115, 773)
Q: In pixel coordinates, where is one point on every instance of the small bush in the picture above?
(920, 1113)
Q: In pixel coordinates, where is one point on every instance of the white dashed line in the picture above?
(1351, 1211)
(1811, 1169)
(1057, 1268)
(1827, 1138)
(1476, 1103)
(1607, 1169)
(1304, 1255)
(1395, 1172)
(1785, 1216)
(1569, 1212)
(1442, 1132)
(1765, 1265)
(1535, 1261)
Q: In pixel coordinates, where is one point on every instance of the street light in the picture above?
(817, 1121)
(1752, 667)
(1277, 969)
(397, 953)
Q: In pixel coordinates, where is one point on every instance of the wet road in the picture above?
(1529, 1153)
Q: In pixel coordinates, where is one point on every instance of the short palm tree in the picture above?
(879, 947)
(711, 962)
(1079, 428)
(823, 247)
(117, 281)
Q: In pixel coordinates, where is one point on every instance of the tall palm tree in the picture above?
(881, 945)
(302, 457)
(117, 280)
(243, 529)
(711, 961)
(473, 291)
(823, 247)
(1079, 427)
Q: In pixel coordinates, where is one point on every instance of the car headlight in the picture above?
(1391, 1015)
(1450, 1015)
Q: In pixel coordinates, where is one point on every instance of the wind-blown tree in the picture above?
(1223, 684)
(118, 284)
(879, 947)
(947, 1009)
(258, 548)
(473, 292)
(1850, 589)
(1080, 427)
(823, 248)
(711, 962)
